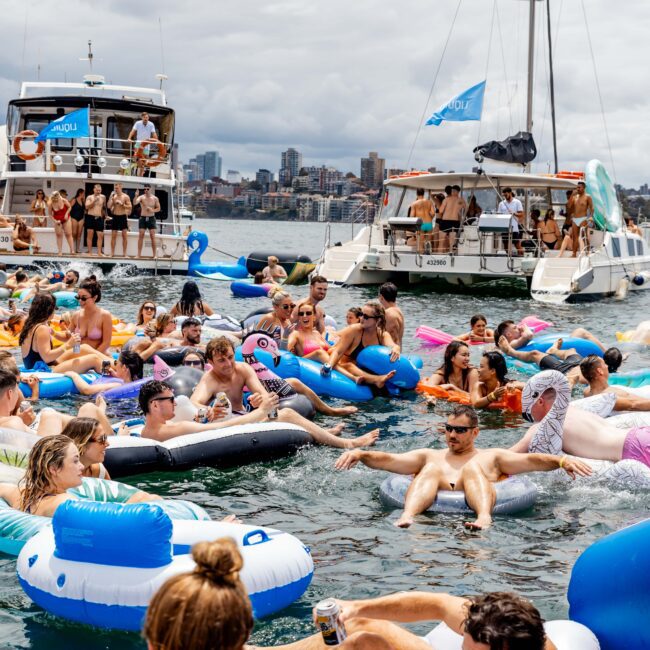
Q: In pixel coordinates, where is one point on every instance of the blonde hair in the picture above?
(46, 455)
(205, 609)
(55, 196)
(273, 259)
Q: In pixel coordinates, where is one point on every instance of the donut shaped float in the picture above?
(514, 494)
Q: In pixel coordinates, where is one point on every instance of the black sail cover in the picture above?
(519, 148)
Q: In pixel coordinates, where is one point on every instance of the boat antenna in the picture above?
(89, 58)
(551, 81)
(433, 85)
(600, 97)
(162, 51)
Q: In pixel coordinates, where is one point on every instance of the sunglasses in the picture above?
(102, 440)
(366, 317)
(171, 398)
(149, 308)
(196, 363)
(291, 306)
(451, 428)
(305, 313)
(83, 298)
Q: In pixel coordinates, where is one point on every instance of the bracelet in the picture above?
(491, 397)
(561, 464)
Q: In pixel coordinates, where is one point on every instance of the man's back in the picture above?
(422, 209)
(395, 324)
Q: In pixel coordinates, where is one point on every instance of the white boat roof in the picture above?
(470, 180)
(34, 89)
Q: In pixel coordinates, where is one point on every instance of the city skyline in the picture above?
(250, 80)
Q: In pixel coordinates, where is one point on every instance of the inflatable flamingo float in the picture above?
(289, 398)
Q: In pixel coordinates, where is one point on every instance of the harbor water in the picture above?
(357, 550)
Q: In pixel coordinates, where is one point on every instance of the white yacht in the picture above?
(105, 157)
(387, 249)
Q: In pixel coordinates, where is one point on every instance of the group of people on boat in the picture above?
(71, 217)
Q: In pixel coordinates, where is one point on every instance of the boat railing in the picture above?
(94, 156)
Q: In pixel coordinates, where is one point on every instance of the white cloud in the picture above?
(341, 78)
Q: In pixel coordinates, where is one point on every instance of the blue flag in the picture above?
(72, 125)
(466, 106)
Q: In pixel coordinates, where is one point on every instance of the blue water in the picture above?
(357, 550)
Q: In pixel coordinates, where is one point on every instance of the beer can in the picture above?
(327, 621)
(202, 415)
(273, 414)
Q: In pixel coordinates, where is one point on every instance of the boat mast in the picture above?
(531, 63)
(551, 82)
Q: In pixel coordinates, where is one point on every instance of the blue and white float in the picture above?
(243, 289)
(609, 591)
(78, 569)
(54, 384)
(197, 242)
(514, 494)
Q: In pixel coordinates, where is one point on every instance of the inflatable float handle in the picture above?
(254, 534)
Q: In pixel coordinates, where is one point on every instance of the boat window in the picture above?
(39, 122)
(630, 247)
(639, 247)
(616, 247)
(392, 202)
(117, 132)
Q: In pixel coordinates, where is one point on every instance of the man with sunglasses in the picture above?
(460, 467)
(317, 292)
(158, 403)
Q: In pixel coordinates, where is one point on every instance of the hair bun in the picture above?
(218, 561)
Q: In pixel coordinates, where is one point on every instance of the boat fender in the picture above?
(622, 289)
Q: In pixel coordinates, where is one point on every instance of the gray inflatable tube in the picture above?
(514, 494)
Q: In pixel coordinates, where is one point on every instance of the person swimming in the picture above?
(479, 331)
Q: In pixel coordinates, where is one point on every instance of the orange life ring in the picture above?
(27, 156)
(151, 162)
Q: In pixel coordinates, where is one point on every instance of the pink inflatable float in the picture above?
(432, 336)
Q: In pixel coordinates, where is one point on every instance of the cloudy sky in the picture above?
(340, 78)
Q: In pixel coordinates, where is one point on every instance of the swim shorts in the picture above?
(549, 362)
(637, 445)
(94, 223)
(119, 222)
(427, 226)
(449, 225)
(147, 223)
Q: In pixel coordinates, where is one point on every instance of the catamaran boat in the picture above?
(612, 261)
(105, 157)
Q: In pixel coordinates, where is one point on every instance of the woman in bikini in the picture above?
(92, 323)
(77, 215)
(306, 341)
(60, 213)
(549, 231)
(354, 338)
(479, 331)
(39, 210)
(455, 373)
(492, 382)
(35, 342)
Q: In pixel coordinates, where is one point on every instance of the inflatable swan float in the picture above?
(548, 437)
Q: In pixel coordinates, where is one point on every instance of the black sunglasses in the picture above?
(291, 306)
(102, 440)
(149, 308)
(450, 428)
(171, 398)
(366, 317)
(197, 363)
(305, 313)
(82, 298)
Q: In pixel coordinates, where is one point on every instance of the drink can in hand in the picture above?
(326, 370)
(24, 405)
(202, 415)
(221, 400)
(327, 621)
